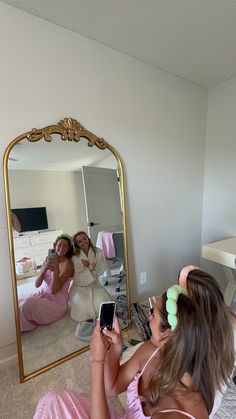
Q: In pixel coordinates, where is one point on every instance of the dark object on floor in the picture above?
(134, 342)
(140, 320)
(234, 379)
(122, 308)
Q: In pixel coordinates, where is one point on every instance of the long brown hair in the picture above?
(205, 291)
(77, 248)
(186, 350)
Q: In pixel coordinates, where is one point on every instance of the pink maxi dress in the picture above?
(61, 404)
(43, 307)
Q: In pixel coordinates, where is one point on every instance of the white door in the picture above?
(102, 200)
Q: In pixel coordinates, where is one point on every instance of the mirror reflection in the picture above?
(68, 238)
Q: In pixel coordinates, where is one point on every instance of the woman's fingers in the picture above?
(97, 326)
(116, 325)
(112, 336)
(85, 263)
(99, 343)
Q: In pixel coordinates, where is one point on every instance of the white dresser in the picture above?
(35, 246)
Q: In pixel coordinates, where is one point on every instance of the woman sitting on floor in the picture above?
(171, 376)
(51, 302)
(86, 292)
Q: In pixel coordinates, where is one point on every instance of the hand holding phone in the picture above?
(106, 315)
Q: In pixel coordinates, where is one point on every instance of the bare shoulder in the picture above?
(67, 267)
(196, 411)
(68, 263)
(168, 415)
(176, 415)
(70, 266)
(146, 348)
(143, 353)
(132, 366)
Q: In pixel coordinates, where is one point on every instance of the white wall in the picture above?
(219, 216)
(109, 162)
(60, 192)
(154, 120)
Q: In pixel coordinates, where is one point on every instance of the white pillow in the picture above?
(129, 352)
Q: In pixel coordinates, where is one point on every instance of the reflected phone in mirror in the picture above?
(106, 314)
(51, 254)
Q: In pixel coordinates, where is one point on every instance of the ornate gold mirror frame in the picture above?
(68, 130)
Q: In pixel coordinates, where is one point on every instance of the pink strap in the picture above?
(177, 411)
(149, 359)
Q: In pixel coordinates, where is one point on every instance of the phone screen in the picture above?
(106, 314)
(51, 253)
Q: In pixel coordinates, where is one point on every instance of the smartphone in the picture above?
(106, 314)
(51, 254)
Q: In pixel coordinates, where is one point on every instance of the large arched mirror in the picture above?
(59, 180)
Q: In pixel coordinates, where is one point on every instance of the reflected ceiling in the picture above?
(64, 156)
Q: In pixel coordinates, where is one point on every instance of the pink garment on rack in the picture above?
(108, 246)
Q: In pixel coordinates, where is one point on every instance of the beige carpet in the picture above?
(49, 343)
(19, 401)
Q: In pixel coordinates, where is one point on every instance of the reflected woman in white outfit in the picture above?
(86, 292)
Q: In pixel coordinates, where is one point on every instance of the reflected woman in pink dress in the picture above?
(50, 303)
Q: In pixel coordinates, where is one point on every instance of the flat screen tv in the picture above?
(32, 219)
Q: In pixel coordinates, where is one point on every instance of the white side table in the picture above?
(224, 253)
